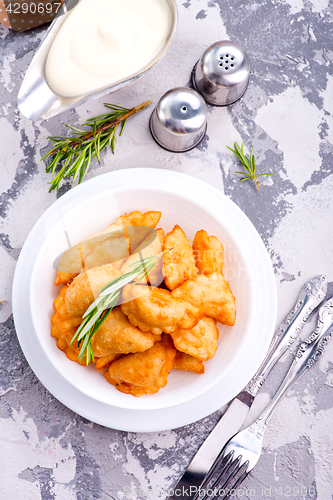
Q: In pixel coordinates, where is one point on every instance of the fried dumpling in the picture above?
(73, 301)
(179, 262)
(156, 310)
(109, 246)
(200, 341)
(112, 245)
(138, 225)
(144, 372)
(64, 326)
(208, 252)
(188, 363)
(212, 294)
(118, 335)
(84, 289)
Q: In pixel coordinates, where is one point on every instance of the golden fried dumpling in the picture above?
(212, 294)
(109, 246)
(112, 245)
(73, 301)
(84, 289)
(208, 252)
(118, 335)
(200, 341)
(188, 363)
(64, 326)
(138, 225)
(155, 310)
(150, 247)
(143, 372)
(63, 331)
(179, 262)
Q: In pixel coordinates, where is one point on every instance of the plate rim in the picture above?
(173, 417)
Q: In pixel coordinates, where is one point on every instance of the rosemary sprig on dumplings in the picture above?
(106, 301)
(76, 152)
(250, 167)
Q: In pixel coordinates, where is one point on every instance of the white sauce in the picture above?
(105, 41)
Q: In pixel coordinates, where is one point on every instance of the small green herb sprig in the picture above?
(99, 310)
(76, 152)
(250, 167)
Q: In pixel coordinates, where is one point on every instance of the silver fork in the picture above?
(242, 452)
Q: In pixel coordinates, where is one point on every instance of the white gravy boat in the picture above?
(37, 101)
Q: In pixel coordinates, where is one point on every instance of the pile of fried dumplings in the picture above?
(167, 320)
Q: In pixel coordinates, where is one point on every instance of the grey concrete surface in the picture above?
(49, 453)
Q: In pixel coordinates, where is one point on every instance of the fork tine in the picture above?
(227, 473)
(228, 459)
(224, 487)
(237, 483)
(232, 476)
(231, 484)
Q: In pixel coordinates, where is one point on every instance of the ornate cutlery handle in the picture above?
(307, 354)
(310, 296)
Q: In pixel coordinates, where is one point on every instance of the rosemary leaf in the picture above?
(122, 126)
(252, 162)
(85, 166)
(113, 143)
(81, 159)
(78, 130)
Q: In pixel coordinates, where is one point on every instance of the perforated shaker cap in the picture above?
(222, 74)
(179, 121)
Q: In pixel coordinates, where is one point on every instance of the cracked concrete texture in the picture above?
(48, 452)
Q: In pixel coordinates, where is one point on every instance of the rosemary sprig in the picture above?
(105, 302)
(250, 167)
(76, 152)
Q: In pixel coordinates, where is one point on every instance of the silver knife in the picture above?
(310, 296)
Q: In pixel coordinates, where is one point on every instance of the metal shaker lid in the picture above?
(222, 74)
(179, 121)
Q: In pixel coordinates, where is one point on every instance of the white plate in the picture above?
(191, 212)
(254, 344)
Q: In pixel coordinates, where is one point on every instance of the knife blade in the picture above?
(310, 296)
